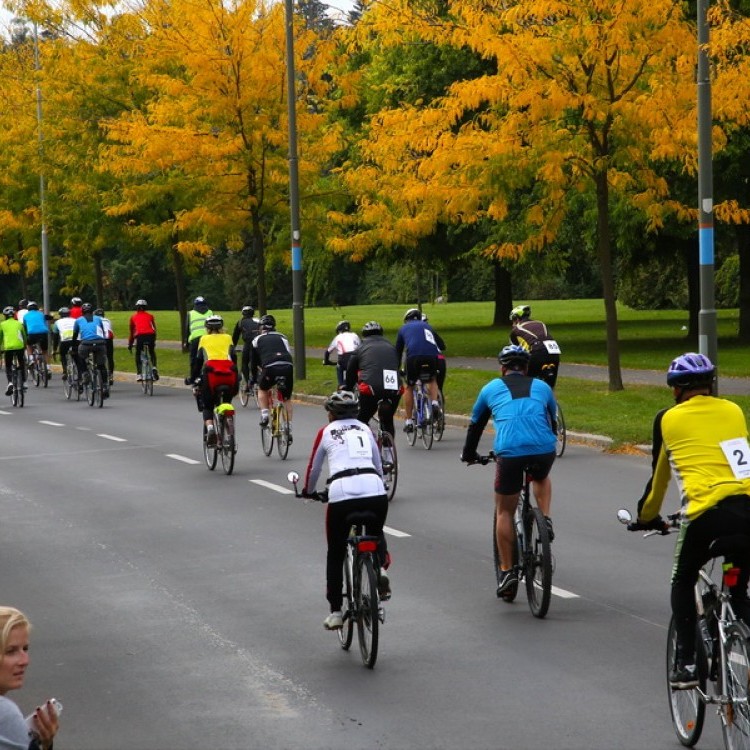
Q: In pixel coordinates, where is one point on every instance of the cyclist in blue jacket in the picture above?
(524, 414)
(89, 331)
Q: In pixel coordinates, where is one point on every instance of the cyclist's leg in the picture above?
(265, 383)
(368, 405)
(286, 390)
(336, 534)
(110, 347)
(138, 350)
(151, 343)
(412, 375)
(83, 351)
(100, 358)
(9, 356)
(246, 352)
(508, 483)
(388, 409)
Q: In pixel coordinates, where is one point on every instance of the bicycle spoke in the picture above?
(736, 716)
(366, 594)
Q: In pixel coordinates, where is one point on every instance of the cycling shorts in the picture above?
(510, 470)
(269, 375)
(38, 338)
(416, 366)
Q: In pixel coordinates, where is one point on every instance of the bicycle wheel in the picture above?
(228, 446)
(97, 388)
(34, 372)
(367, 610)
(512, 592)
(427, 426)
(45, 375)
(346, 634)
(439, 427)
(266, 433)
(68, 384)
(283, 436)
(412, 436)
(686, 707)
(389, 460)
(537, 563)
(562, 436)
(210, 452)
(735, 720)
(16, 395)
(244, 393)
(88, 387)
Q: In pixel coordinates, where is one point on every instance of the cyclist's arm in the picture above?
(400, 343)
(315, 464)
(438, 339)
(198, 363)
(236, 333)
(480, 415)
(656, 489)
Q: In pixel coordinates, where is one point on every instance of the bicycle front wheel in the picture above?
(427, 426)
(735, 720)
(346, 634)
(68, 384)
(367, 610)
(389, 459)
(562, 436)
(228, 446)
(537, 563)
(686, 707)
(210, 452)
(284, 437)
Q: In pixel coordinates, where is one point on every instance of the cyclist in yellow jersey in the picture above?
(214, 372)
(703, 441)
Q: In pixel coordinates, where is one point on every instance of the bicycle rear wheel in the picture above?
(283, 437)
(389, 460)
(34, 373)
(512, 592)
(686, 707)
(68, 384)
(562, 436)
(735, 720)
(97, 388)
(228, 445)
(17, 392)
(244, 392)
(427, 426)
(367, 611)
(266, 435)
(210, 452)
(88, 387)
(346, 634)
(412, 436)
(45, 375)
(439, 428)
(537, 563)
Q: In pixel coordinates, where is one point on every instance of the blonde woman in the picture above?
(14, 660)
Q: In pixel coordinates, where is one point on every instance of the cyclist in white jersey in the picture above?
(355, 485)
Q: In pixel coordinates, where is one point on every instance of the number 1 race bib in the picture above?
(357, 444)
(737, 452)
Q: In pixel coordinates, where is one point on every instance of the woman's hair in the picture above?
(10, 618)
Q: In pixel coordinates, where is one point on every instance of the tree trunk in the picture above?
(604, 248)
(260, 262)
(178, 269)
(743, 248)
(99, 280)
(503, 295)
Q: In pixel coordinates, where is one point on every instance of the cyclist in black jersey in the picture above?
(535, 338)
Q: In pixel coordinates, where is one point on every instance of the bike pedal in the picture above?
(381, 615)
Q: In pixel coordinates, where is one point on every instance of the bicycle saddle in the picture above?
(362, 519)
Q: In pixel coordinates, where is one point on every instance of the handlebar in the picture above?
(320, 497)
(658, 525)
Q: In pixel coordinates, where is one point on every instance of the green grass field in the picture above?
(648, 340)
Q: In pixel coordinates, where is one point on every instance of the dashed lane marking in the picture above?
(111, 437)
(395, 532)
(271, 486)
(51, 424)
(184, 459)
(563, 594)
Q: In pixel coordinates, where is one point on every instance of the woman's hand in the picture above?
(45, 724)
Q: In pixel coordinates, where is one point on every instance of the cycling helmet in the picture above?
(412, 314)
(343, 326)
(267, 323)
(22, 303)
(247, 311)
(99, 312)
(75, 301)
(63, 312)
(214, 323)
(514, 357)
(690, 370)
(141, 303)
(8, 311)
(32, 306)
(342, 404)
(87, 307)
(520, 313)
(373, 328)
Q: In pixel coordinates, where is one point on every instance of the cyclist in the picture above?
(195, 328)
(246, 327)
(423, 345)
(373, 371)
(62, 338)
(271, 358)
(214, 367)
(13, 344)
(37, 331)
(702, 439)
(355, 485)
(143, 332)
(344, 343)
(21, 310)
(534, 336)
(442, 365)
(523, 411)
(76, 307)
(110, 342)
(88, 330)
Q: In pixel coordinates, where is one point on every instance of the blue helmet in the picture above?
(514, 357)
(690, 370)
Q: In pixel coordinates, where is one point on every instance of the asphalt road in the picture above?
(175, 607)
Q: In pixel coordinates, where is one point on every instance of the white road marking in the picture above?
(275, 487)
(51, 424)
(563, 594)
(184, 459)
(111, 437)
(395, 532)
(7, 413)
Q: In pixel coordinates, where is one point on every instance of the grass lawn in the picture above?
(648, 340)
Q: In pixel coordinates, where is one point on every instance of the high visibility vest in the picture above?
(197, 323)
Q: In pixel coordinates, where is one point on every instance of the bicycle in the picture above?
(277, 428)
(361, 604)
(92, 382)
(388, 455)
(248, 389)
(532, 555)
(70, 383)
(147, 372)
(226, 441)
(422, 413)
(722, 655)
(37, 367)
(562, 435)
(17, 396)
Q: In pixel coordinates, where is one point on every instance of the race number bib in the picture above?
(737, 452)
(390, 380)
(357, 444)
(428, 335)
(552, 346)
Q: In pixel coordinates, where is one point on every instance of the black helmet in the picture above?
(214, 323)
(99, 312)
(86, 308)
(514, 357)
(521, 312)
(691, 370)
(141, 303)
(412, 314)
(32, 306)
(247, 311)
(63, 312)
(342, 404)
(372, 328)
(267, 323)
(343, 326)
(76, 301)
(200, 303)
(22, 303)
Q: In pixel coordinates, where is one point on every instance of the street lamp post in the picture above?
(298, 314)
(707, 316)
(42, 191)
